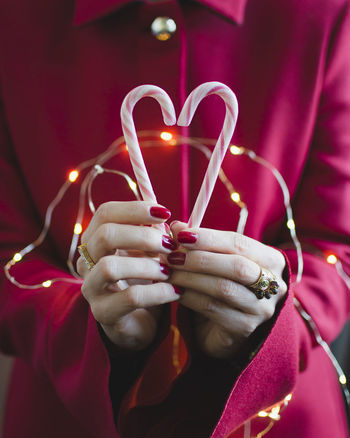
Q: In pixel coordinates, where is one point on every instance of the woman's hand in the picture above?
(128, 317)
(216, 268)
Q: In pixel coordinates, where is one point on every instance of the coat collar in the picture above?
(90, 10)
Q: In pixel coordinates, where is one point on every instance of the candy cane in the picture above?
(130, 135)
(221, 146)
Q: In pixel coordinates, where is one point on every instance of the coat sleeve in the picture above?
(322, 214)
(51, 329)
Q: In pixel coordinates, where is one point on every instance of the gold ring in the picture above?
(266, 285)
(86, 256)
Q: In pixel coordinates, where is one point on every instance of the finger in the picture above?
(82, 269)
(131, 212)
(111, 269)
(109, 236)
(231, 266)
(110, 308)
(226, 291)
(233, 321)
(227, 242)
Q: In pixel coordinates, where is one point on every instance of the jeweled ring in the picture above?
(86, 256)
(266, 285)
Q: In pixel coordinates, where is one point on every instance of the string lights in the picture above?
(88, 171)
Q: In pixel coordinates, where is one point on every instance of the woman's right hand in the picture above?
(128, 317)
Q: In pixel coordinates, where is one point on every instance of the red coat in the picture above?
(65, 68)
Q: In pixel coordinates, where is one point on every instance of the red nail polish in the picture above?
(169, 243)
(179, 290)
(160, 212)
(177, 258)
(165, 269)
(187, 237)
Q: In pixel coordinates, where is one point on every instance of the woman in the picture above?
(66, 68)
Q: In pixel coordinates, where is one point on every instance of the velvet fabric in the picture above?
(65, 68)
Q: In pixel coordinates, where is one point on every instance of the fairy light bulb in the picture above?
(235, 197)
(17, 257)
(263, 414)
(342, 379)
(78, 228)
(291, 224)
(166, 136)
(132, 185)
(274, 414)
(236, 150)
(47, 283)
(73, 175)
(332, 259)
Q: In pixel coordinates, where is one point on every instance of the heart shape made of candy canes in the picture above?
(185, 118)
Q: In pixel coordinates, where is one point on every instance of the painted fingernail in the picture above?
(165, 269)
(160, 212)
(187, 237)
(179, 290)
(177, 258)
(169, 243)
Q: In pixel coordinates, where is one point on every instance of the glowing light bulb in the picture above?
(166, 136)
(17, 257)
(288, 397)
(132, 185)
(332, 259)
(235, 197)
(274, 414)
(78, 228)
(73, 175)
(236, 150)
(342, 379)
(47, 283)
(291, 224)
(263, 414)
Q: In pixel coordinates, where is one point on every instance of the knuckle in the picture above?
(267, 311)
(247, 326)
(107, 267)
(226, 288)
(203, 260)
(134, 296)
(241, 268)
(240, 243)
(102, 212)
(104, 235)
(208, 305)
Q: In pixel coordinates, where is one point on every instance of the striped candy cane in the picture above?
(221, 146)
(130, 135)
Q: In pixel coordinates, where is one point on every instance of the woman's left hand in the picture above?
(215, 271)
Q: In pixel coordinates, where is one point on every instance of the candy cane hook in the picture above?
(221, 146)
(130, 135)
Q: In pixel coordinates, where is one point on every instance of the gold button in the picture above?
(163, 28)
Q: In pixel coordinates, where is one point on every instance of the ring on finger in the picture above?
(83, 251)
(266, 285)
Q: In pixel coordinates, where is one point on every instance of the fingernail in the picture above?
(169, 243)
(187, 237)
(177, 258)
(179, 290)
(160, 212)
(165, 269)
